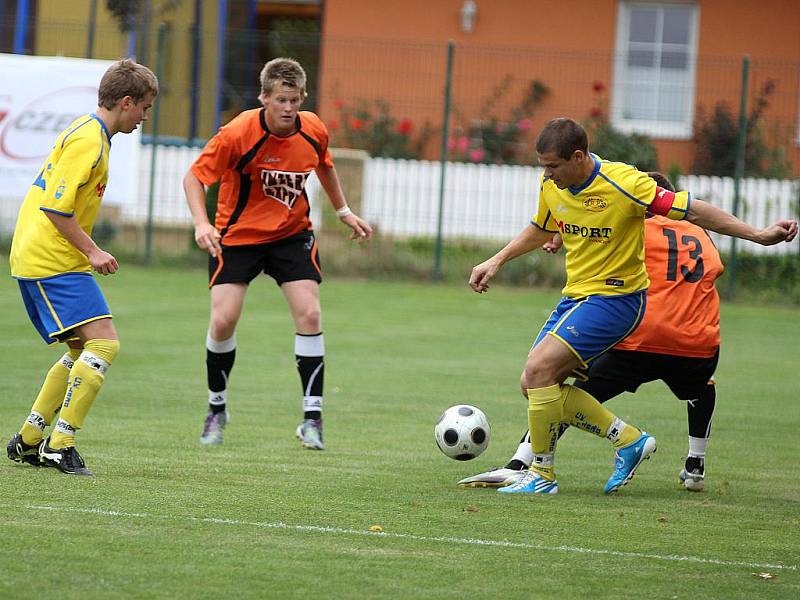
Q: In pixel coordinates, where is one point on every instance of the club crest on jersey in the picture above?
(595, 204)
(283, 186)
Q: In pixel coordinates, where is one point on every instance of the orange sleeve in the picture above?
(316, 128)
(218, 155)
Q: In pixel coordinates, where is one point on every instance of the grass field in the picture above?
(259, 517)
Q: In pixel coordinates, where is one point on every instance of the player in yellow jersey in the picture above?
(598, 207)
(53, 256)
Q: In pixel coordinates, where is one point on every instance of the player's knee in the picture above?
(523, 386)
(100, 353)
(310, 319)
(709, 393)
(537, 374)
(221, 327)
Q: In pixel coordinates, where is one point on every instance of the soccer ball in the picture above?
(462, 432)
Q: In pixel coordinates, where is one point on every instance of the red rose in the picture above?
(598, 86)
(405, 126)
(524, 124)
(356, 123)
(476, 154)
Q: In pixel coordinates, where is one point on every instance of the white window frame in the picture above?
(653, 128)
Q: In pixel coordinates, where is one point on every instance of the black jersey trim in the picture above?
(244, 179)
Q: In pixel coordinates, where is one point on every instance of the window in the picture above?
(654, 69)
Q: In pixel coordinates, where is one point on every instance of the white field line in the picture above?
(421, 538)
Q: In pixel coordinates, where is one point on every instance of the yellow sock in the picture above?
(49, 400)
(582, 410)
(544, 417)
(85, 379)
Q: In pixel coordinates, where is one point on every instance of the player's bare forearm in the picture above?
(333, 188)
(101, 261)
(528, 239)
(195, 193)
(205, 234)
(710, 217)
(329, 180)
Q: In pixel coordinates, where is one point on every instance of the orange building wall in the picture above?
(396, 51)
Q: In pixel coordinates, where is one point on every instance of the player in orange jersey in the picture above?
(262, 159)
(677, 341)
(598, 207)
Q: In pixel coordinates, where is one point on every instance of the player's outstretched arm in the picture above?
(101, 261)
(710, 217)
(528, 239)
(330, 183)
(205, 234)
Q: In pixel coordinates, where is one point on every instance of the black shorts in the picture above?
(291, 259)
(619, 371)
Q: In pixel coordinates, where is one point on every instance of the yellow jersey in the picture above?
(602, 225)
(71, 183)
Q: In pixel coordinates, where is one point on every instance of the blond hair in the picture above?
(126, 78)
(286, 71)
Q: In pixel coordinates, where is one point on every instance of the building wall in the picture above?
(62, 29)
(568, 46)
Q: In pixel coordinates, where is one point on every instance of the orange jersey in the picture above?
(262, 176)
(682, 316)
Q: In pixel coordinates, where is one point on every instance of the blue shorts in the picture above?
(57, 305)
(593, 325)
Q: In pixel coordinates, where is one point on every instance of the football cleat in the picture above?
(66, 460)
(493, 478)
(213, 428)
(19, 451)
(693, 474)
(531, 482)
(627, 459)
(309, 432)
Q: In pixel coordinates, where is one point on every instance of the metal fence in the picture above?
(400, 198)
(388, 97)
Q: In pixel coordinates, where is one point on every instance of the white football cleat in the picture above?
(693, 474)
(493, 479)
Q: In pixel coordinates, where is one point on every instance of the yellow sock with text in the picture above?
(85, 379)
(582, 410)
(544, 416)
(49, 400)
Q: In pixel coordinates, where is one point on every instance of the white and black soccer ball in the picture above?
(462, 432)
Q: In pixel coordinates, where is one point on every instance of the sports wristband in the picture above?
(343, 212)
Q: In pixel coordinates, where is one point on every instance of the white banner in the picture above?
(39, 97)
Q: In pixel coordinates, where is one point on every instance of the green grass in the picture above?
(259, 517)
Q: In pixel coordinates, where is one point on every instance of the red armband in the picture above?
(662, 203)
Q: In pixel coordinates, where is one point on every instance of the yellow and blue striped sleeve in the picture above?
(80, 154)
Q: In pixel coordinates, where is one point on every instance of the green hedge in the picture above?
(764, 278)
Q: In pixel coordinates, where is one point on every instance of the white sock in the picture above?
(697, 447)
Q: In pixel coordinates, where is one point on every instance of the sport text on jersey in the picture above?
(283, 186)
(599, 235)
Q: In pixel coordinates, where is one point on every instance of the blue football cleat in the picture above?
(627, 459)
(531, 483)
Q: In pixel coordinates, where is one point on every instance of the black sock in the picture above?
(218, 368)
(700, 412)
(516, 465)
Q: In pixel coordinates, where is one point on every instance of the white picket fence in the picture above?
(493, 202)
(490, 202)
(169, 203)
